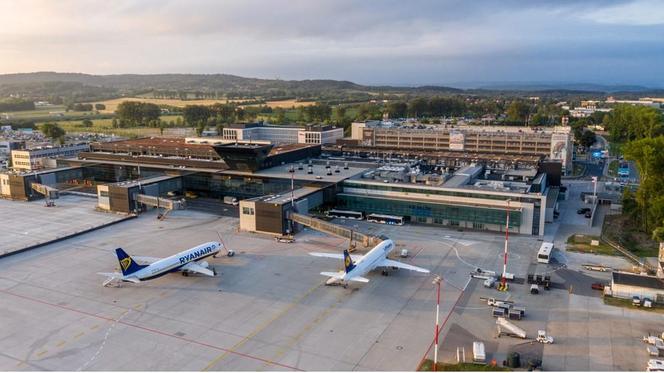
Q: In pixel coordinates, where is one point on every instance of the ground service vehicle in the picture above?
(479, 355)
(231, 201)
(544, 253)
(507, 328)
(543, 338)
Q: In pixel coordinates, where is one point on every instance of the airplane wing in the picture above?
(336, 256)
(394, 263)
(359, 279)
(197, 268)
(145, 259)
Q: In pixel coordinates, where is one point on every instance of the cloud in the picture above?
(636, 13)
(382, 42)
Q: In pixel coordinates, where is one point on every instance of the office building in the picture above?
(39, 158)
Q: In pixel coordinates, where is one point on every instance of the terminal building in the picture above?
(311, 134)
(274, 181)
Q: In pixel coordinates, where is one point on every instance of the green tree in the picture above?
(418, 107)
(87, 123)
(200, 127)
(649, 158)
(279, 115)
(627, 122)
(518, 112)
(340, 114)
(133, 114)
(53, 131)
(587, 139)
(100, 107)
(396, 109)
(368, 111)
(195, 114)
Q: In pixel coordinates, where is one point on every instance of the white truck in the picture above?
(498, 303)
(543, 338)
(655, 365)
(231, 201)
(507, 328)
(479, 355)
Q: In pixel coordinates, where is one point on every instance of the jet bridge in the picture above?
(48, 192)
(167, 204)
(336, 230)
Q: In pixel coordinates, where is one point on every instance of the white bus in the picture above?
(544, 253)
(345, 214)
(385, 219)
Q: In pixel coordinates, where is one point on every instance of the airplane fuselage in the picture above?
(176, 262)
(370, 260)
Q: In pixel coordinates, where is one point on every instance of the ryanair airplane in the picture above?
(356, 266)
(141, 268)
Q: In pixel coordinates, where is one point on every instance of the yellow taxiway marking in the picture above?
(94, 327)
(60, 344)
(79, 335)
(260, 328)
(42, 353)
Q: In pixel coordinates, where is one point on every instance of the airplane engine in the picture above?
(204, 264)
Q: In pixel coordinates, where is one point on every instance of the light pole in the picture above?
(594, 189)
(507, 235)
(436, 281)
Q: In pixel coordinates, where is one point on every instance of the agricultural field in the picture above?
(52, 112)
(111, 105)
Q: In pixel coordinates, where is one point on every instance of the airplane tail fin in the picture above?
(127, 264)
(348, 262)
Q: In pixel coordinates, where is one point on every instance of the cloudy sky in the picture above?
(371, 42)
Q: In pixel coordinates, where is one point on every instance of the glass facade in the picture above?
(433, 191)
(421, 211)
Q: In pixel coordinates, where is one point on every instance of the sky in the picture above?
(381, 42)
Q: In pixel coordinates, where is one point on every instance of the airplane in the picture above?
(140, 268)
(355, 266)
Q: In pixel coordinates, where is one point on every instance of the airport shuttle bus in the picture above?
(385, 219)
(544, 253)
(345, 214)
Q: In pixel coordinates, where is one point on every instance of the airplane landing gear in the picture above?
(214, 271)
(385, 272)
(185, 273)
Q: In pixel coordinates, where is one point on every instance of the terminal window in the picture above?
(247, 211)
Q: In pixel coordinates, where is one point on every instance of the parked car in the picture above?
(597, 286)
(636, 301)
(582, 210)
(588, 214)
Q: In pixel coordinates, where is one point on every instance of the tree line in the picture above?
(16, 104)
(642, 130)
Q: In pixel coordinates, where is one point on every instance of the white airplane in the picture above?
(358, 265)
(141, 268)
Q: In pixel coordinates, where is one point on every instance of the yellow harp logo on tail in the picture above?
(347, 261)
(125, 263)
